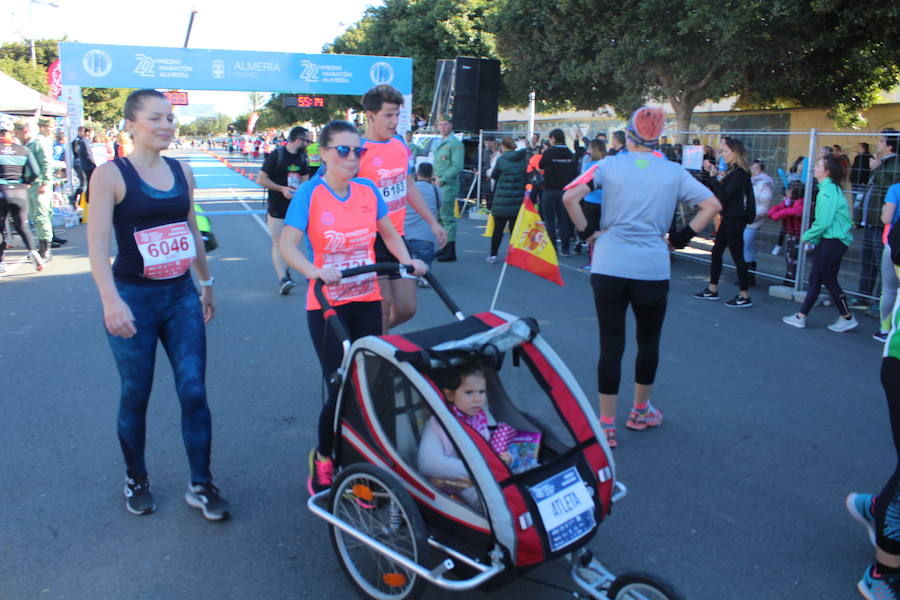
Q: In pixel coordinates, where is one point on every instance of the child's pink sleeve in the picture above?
(501, 437)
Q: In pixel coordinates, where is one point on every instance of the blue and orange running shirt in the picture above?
(340, 233)
(386, 164)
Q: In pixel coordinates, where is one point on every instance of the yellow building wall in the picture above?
(803, 119)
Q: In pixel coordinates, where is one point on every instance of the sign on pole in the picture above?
(71, 96)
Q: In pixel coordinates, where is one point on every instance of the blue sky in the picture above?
(276, 26)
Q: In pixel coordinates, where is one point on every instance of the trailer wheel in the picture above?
(637, 585)
(374, 502)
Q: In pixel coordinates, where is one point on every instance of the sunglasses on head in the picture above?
(344, 151)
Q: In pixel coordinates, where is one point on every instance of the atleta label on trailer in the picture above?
(566, 508)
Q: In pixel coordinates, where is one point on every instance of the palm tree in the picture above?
(257, 99)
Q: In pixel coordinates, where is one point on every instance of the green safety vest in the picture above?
(312, 151)
(202, 221)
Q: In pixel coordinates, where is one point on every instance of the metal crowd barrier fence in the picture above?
(778, 256)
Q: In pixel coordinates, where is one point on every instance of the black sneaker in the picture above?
(707, 294)
(739, 302)
(138, 499)
(205, 496)
(880, 336)
(286, 286)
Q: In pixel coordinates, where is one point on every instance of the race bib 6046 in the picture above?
(168, 250)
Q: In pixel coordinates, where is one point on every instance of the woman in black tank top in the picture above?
(148, 295)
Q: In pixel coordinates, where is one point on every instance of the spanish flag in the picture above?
(529, 246)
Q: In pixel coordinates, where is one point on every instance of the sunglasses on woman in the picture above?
(344, 151)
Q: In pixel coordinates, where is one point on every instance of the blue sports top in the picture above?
(144, 207)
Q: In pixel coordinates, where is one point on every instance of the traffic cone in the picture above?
(489, 228)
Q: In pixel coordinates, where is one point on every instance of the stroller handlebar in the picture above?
(381, 269)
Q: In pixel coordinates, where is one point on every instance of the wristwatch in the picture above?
(207, 283)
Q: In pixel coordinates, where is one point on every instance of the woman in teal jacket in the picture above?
(509, 172)
(831, 234)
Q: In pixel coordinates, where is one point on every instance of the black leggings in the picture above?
(15, 204)
(825, 266)
(887, 505)
(612, 295)
(557, 220)
(360, 319)
(499, 227)
(730, 235)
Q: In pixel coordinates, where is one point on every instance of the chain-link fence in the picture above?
(786, 206)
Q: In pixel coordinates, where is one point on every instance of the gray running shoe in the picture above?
(795, 320)
(862, 508)
(842, 324)
(286, 286)
(206, 497)
(138, 499)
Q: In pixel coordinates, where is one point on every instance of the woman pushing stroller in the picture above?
(337, 215)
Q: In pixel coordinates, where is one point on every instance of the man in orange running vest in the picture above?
(386, 163)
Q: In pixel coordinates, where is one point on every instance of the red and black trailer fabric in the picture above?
(588, 456)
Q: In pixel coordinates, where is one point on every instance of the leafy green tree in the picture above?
(240, 124)
(34, 76)
(424, 30)
(15, 61)
(848, 55)
(588, 53)
(104, 105)
(45, 51)
(660, 49)
(206, 126)
(101, 105)
(276, 115)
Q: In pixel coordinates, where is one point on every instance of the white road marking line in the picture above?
(255, 217)
(11, 267)
(571, 268)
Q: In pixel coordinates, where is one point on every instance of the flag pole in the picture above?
(499, 283)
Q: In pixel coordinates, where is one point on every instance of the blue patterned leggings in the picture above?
(172, 314)
(887, 505)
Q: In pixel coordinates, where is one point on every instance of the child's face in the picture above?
(470, 396)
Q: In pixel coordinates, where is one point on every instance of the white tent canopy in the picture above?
(17, 98)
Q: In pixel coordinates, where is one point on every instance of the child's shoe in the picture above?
(321, 473)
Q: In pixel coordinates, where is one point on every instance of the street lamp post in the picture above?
(190, 25)
(31, 23)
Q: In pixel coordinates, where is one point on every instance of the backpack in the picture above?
(894, 243)
(281, 153)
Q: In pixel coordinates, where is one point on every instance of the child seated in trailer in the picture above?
(466, 396)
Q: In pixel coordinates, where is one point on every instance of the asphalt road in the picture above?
(738, 495)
